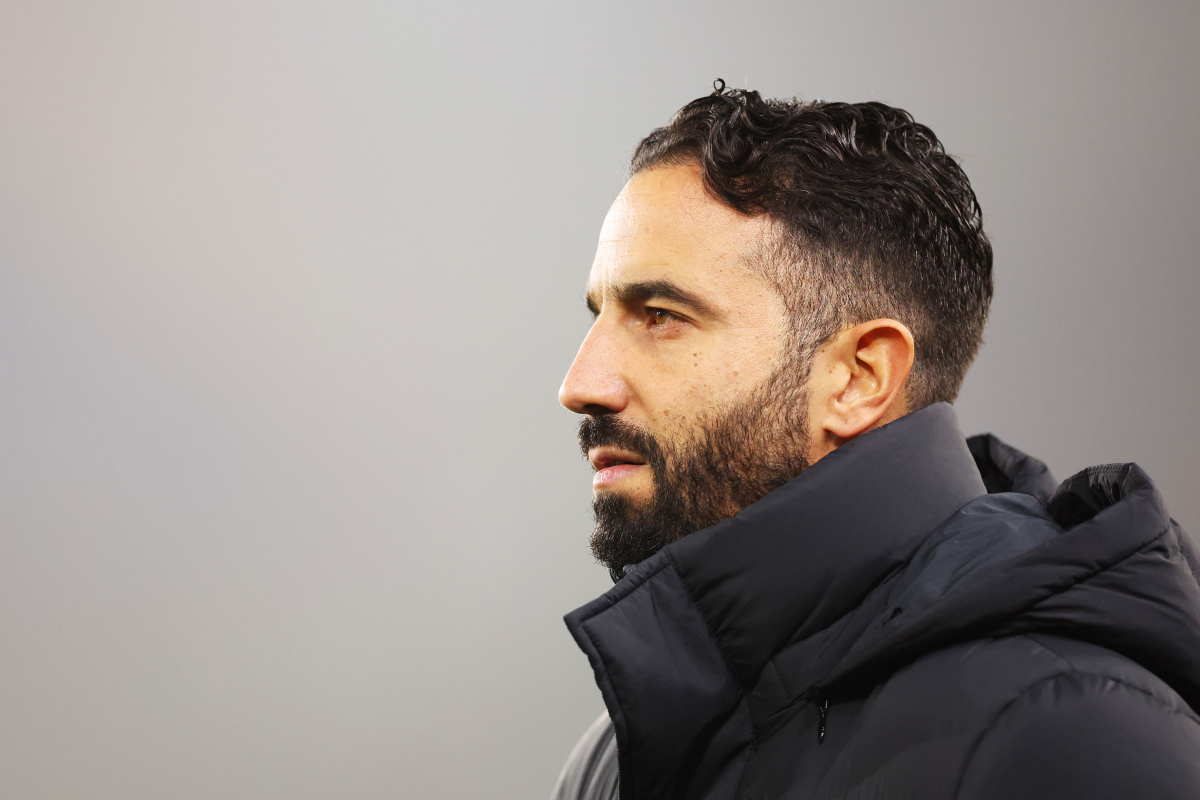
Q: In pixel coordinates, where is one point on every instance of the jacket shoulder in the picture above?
(958, 722)
(1100, 726)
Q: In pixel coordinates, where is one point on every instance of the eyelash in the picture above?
(654, 313)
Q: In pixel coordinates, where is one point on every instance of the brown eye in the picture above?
(658, 316)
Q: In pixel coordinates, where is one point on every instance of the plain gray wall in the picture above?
(287, 506)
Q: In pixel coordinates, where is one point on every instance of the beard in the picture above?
(728, 460)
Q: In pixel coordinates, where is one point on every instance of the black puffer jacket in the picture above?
(884, 627)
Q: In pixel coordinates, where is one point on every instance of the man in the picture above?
(822, 589)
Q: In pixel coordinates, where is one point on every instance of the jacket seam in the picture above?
(783, 687)
(752, 744)
(1030, 605)
(1187, 711)
(751, 748)
(1069, 669)
(737, 676)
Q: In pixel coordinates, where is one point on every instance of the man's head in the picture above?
(775, 279)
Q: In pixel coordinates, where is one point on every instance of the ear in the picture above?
(857, 383)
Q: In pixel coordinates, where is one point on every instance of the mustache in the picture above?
(611, 430)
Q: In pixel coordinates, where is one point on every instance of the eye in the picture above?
(659, 316)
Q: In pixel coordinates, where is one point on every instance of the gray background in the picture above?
(287, 506)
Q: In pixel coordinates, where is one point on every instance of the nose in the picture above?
(594, 384)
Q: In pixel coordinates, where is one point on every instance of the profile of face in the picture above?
(695, 402)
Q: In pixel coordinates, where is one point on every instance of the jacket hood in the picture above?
(888, 548)
(1101, 561)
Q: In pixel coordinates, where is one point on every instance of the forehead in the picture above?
(664, 226)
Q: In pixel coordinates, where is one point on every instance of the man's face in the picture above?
(695, 406)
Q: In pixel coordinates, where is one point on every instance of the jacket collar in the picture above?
(794, 562)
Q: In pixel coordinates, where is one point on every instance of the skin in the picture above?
(684, 328)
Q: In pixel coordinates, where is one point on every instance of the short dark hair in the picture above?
(875, 220)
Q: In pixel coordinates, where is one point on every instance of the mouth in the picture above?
(605, 457)
(613, 464)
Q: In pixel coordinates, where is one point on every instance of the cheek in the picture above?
(676, 388)
(716, 384)
(681, 414)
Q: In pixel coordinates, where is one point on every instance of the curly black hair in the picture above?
(875, 219)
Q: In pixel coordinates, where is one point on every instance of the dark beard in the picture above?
(728, 462)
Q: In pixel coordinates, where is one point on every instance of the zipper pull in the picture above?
(823, 712)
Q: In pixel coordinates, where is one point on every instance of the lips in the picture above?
(605, 457)
(612, 465)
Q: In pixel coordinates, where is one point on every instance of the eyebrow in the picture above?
(644, 291)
